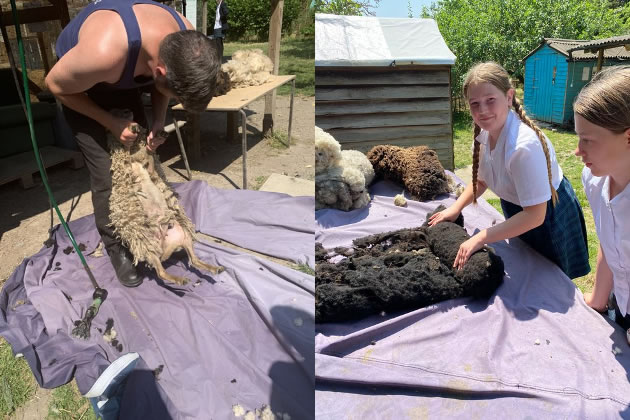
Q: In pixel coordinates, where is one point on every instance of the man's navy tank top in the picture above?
(69, 37)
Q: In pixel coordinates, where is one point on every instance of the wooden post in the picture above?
(43, 51)
(204, 17)
(600, 59)
(231, 131)
(62, 10)
(275, 32)
(193, 143)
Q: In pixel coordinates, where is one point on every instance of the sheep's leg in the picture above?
(163, 274)
(196, 262)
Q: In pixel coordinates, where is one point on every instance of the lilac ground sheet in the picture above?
(243, 337)
(533, 350)
(277, 224)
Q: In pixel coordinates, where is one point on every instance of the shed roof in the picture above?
(377, 41)
(615, 41)
(576, 46)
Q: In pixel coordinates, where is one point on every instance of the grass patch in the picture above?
(297, 56)
(17, 384)
(67, 403)
(462, 139)
(304, 268)
(277, 140)
(496, 203)
(564, 143)
(260, 180)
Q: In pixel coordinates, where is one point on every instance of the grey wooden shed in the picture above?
(383, 81)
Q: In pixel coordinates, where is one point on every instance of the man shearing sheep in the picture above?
(108, 54)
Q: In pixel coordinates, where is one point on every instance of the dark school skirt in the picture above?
(562, 237)
(614, 314)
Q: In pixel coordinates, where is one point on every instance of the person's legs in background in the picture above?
(218, 38)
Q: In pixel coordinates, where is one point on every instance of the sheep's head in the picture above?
(327, 150)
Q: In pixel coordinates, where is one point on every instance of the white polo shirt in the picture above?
(217, 18)
(516, 170)
(612, 223)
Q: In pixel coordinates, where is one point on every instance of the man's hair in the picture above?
(192, 64)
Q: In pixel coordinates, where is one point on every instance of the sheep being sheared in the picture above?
(248, 68)
(341, 177)
(144, 209)
(417, 168)
(401, 270)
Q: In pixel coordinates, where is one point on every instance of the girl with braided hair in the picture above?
(513, 158)
(602, 123)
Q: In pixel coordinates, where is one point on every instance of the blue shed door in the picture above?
(542, 85)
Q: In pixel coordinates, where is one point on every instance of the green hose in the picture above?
(82, 328)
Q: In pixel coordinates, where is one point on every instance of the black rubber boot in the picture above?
(122, 260)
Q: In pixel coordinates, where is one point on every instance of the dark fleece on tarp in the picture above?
(405, 269)
(417, 168)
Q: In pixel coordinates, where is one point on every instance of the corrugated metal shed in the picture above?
(615, 41)
(556, 71)
(383, 81)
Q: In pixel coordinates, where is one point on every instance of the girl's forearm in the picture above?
(467, 195)
(603, 283)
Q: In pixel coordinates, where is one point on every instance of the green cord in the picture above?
(27, 99)
(82, 327)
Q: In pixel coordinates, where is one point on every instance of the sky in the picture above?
(398, 8)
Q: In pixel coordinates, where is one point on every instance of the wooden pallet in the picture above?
(24, 165)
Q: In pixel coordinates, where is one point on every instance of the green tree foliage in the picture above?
(507, 30)
(346, 7)
(250, 18)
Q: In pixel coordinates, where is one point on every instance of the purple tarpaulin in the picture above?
(273, 220)
(533, 350)
(242, 337)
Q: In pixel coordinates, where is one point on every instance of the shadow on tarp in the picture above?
(286, 319)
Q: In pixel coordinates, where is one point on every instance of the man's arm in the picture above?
(77, 71)
(159, 105)
(186, 21)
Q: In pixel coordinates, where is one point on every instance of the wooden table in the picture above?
(233, 102)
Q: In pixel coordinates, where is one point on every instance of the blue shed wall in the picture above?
(544, 89)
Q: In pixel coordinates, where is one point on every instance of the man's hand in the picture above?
(156, 137)
(122, 130)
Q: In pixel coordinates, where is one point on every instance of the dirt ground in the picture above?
(25, 216)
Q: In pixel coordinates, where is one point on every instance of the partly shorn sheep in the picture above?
(417, 168)
(401, 270)
(341, 177)
(144, 210)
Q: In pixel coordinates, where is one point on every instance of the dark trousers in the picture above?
(218, 36)
(92, 139)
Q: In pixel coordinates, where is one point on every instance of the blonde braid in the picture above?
(521, 114)
(475, 165)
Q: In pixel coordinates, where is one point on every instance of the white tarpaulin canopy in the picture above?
(376, 41)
